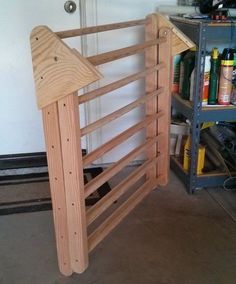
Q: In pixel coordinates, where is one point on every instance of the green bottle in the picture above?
(214, 77)
(186, 67)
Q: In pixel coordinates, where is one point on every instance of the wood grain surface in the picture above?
(57, 187)
(100, 28)
(164, 104)
(118, 84)
(74, 181)
(151, 59)
(58, 71)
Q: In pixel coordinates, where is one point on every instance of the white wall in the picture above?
(20, 120)
(103, 12)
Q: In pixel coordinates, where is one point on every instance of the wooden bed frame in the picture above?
(59, 72)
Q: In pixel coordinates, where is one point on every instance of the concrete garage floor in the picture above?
(171, 237)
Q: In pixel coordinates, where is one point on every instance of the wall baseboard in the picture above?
(25, 160)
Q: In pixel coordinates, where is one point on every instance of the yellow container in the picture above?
(201, 157)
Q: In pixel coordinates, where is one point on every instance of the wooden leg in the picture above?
(164, 104)
(56, 175)
(151, 33)
(74, 184)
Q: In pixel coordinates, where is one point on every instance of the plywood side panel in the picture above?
(180, 42)
(58, 70)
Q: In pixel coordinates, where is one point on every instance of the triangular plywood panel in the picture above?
(180, 42)
(58, 70)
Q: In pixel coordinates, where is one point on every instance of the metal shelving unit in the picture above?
(203, 33)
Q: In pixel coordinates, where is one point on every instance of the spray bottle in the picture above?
(213, 88)
(226, 69)
(206, 80)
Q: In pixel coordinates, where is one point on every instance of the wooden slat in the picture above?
(74, 182)
(106, 147)
(101, 28)
(56, 179)
(164, 104)
(116, 114)
(113, 220)
(118, 84)
(123, 52)
(58, 71)
(151, 32)
(116, 167)
(96, 210)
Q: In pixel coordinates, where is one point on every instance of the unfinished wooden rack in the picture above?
(59, 72)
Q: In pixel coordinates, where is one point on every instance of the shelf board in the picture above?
(183, 106)
(211, 179)
(207, 113)
(214, 31)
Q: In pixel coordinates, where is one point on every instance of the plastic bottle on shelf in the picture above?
(176, 73)
(226, 70)
(206, 80)
(192, 85)
(234, 70)
(233, 92)
(186, 67)
(214, 77)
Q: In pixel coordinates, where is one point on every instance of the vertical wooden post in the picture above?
(164, 104)
(56, 177)
(74, 181)
(151, 33)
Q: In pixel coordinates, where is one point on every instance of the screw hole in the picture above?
(64, 105)
(75, 233)
(68, 139)
(37, 38)
(72, 204)
(52, 146)
(56, 58)
(59, 208)
(70, 173)
(48, 112)
(41, 77)
(55, 178)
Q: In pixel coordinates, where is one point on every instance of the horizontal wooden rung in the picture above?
(106, 147)
(96, 210)
(118, 84)
(116, 167)
(117, 216)
(123, 52)
(116, 114)
(101, 28)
